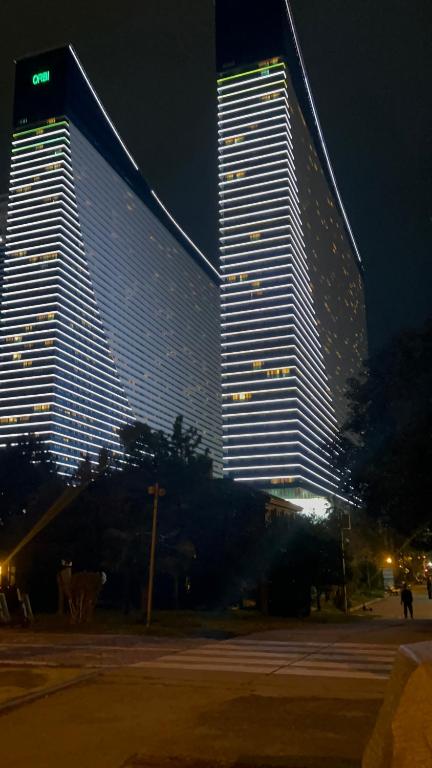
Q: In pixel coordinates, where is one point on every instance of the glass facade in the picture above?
(106, 315)
(292, 303)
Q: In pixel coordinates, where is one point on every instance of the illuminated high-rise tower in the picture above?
(293, 323)
(108, 311)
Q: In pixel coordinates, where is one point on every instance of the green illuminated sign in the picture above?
(41, 77)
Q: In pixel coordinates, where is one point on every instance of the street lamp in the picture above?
(155, 491)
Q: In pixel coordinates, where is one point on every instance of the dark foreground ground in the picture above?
(300, 696)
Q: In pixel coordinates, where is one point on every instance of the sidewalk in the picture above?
(19, 685)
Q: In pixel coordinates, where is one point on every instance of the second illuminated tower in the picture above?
(292, 295)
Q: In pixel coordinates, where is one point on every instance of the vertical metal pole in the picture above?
(344, 572)
(152, 555)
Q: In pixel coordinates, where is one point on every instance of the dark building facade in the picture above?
(293, 315)
(108, 311)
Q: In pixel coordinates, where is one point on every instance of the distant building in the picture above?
(108, 311)
(293, 314)
(277, 507)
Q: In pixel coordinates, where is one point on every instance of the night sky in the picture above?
(370, 67)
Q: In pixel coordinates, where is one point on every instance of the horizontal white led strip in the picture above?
(242, 113)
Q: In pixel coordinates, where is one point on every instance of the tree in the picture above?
(386, 440)
(28, 484)
(299, 553)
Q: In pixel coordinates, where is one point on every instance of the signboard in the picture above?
(39, 78)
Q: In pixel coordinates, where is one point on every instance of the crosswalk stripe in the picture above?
(278, 643)
(226, 659)
(240, 642)
(360, 658)
(387, 646)
(351, 673)
(317, 661)
(278, 651)
(243, 654)
(323, 652)
(160, 664)
(323, 664)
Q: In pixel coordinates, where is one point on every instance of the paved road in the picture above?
(297, 698)
(364, 647)
(391, 608)
(258, 656)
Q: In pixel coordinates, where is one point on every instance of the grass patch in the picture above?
(211, 624)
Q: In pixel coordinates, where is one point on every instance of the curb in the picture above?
(370, 602)
(29, 698)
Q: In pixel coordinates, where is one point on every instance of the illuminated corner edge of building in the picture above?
(320, 132)
(164, 213)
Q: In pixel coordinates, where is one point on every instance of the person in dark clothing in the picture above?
(407, 601)
(429, 587)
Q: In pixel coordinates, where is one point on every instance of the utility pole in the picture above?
(345, 520)
(155, 491)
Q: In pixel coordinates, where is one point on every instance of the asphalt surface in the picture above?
(302, 697)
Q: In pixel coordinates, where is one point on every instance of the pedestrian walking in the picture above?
(429, 587)
(407, 601)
